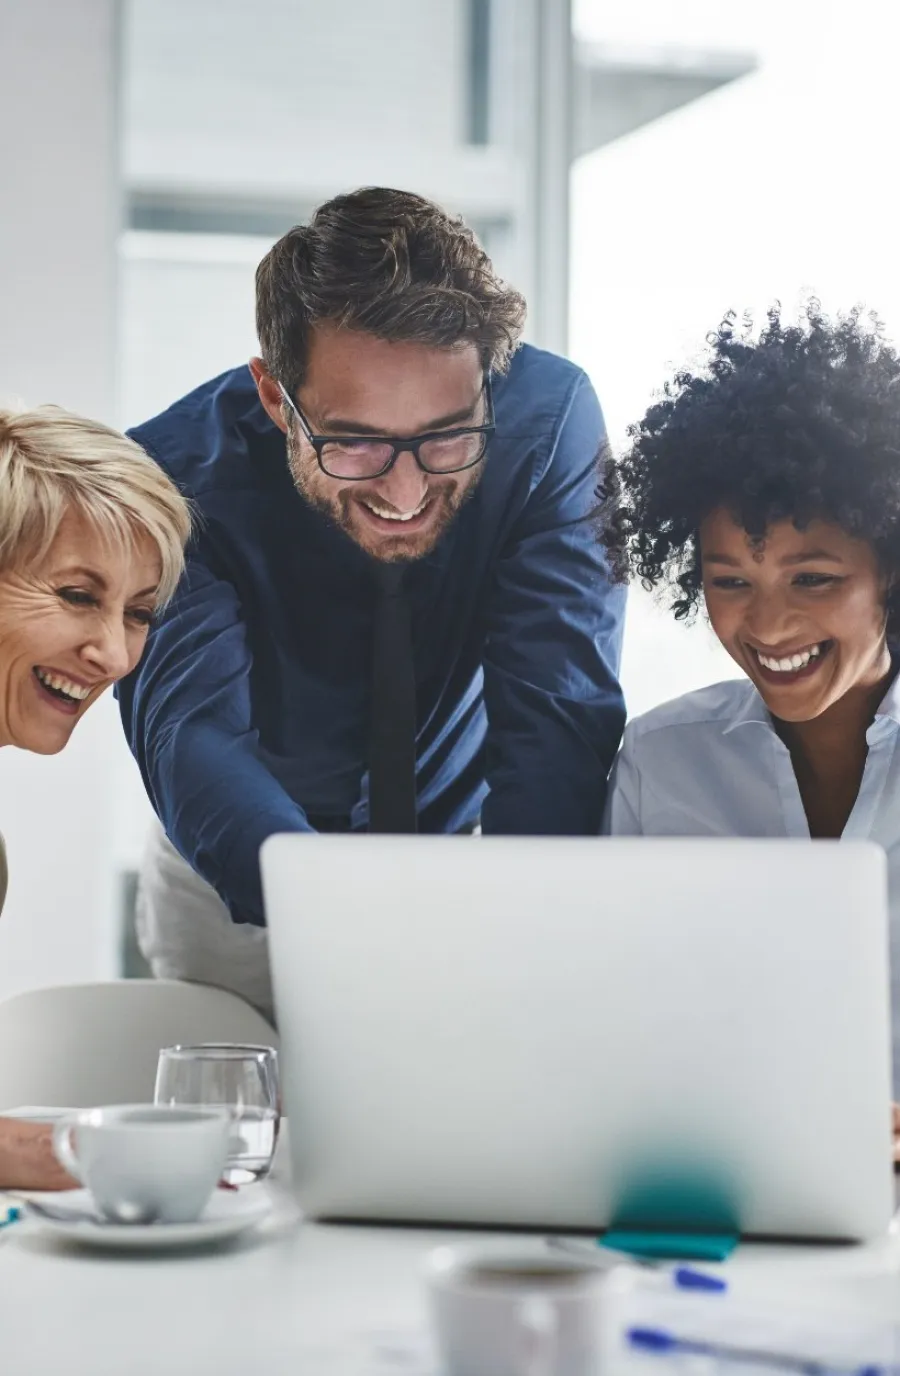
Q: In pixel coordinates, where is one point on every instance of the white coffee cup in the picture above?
(514, 1310)
(146, 1162)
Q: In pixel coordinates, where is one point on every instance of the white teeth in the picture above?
(63, 685)
(791, 663)
(397, 515)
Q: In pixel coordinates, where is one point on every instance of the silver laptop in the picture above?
(520, 1032)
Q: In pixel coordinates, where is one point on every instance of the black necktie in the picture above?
(392, 740)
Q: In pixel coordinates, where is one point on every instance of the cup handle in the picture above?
(63, 1149)
(538, 1325)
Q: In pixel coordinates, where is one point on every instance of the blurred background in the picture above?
(636, 167)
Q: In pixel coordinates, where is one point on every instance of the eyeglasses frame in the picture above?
(410, 444)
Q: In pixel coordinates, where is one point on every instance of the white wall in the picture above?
(187, 313)
(770, 188)
(314, 99)
(59, 218)
(281, 98)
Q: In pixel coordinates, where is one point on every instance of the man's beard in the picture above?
(449, 498)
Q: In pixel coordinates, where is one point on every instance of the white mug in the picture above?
(514, 1310)
(146, 1162)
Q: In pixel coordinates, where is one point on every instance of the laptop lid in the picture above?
(509, 1030)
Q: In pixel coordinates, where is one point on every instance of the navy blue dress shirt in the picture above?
(249, 712)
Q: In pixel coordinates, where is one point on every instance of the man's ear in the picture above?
(269, 393)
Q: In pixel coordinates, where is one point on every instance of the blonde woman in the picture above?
(92, 537)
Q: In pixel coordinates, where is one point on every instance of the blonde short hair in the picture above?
(53, 462)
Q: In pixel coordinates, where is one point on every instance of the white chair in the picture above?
(80, 1045)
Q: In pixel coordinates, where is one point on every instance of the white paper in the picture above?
(802, 1326)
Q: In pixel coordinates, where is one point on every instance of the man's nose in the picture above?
(405, 485)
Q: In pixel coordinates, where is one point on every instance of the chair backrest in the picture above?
(80, 1045)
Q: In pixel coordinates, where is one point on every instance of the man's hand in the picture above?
(896, 1108)
(27, 1161)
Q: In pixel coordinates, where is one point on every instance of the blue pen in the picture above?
(685, 1277)
(659, 1340)
(11, 1216)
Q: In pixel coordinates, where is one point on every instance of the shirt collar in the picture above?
(750, 709)
(890, 703)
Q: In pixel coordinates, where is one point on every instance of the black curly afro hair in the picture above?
(801, 424)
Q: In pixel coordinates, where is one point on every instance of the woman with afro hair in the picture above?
(766, 488)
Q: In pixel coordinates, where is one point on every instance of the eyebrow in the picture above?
(725, 559)
(337, 425)
(813, 556)
(99, 581)
(807, 557)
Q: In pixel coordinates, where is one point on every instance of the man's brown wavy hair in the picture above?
(388, 263)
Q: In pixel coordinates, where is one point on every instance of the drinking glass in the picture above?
(243, 1079)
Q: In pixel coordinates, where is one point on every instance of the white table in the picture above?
(296, 1299)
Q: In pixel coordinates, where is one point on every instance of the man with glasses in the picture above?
(396, 616)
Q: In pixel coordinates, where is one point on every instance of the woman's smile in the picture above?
(782, 668)
(61, 691)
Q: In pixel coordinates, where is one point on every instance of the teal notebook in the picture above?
(675, 1213)
(672, 1246)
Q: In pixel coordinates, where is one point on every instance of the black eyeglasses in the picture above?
(355, 458)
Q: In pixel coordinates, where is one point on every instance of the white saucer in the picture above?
(32, 1114)
(226, 1215)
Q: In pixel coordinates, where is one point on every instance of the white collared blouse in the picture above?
(711, 764)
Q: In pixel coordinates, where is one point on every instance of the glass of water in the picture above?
(241, 1078)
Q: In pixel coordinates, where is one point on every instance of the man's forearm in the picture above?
(27, 1161)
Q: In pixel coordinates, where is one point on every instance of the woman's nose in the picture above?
(109, 651)
(768, 617)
